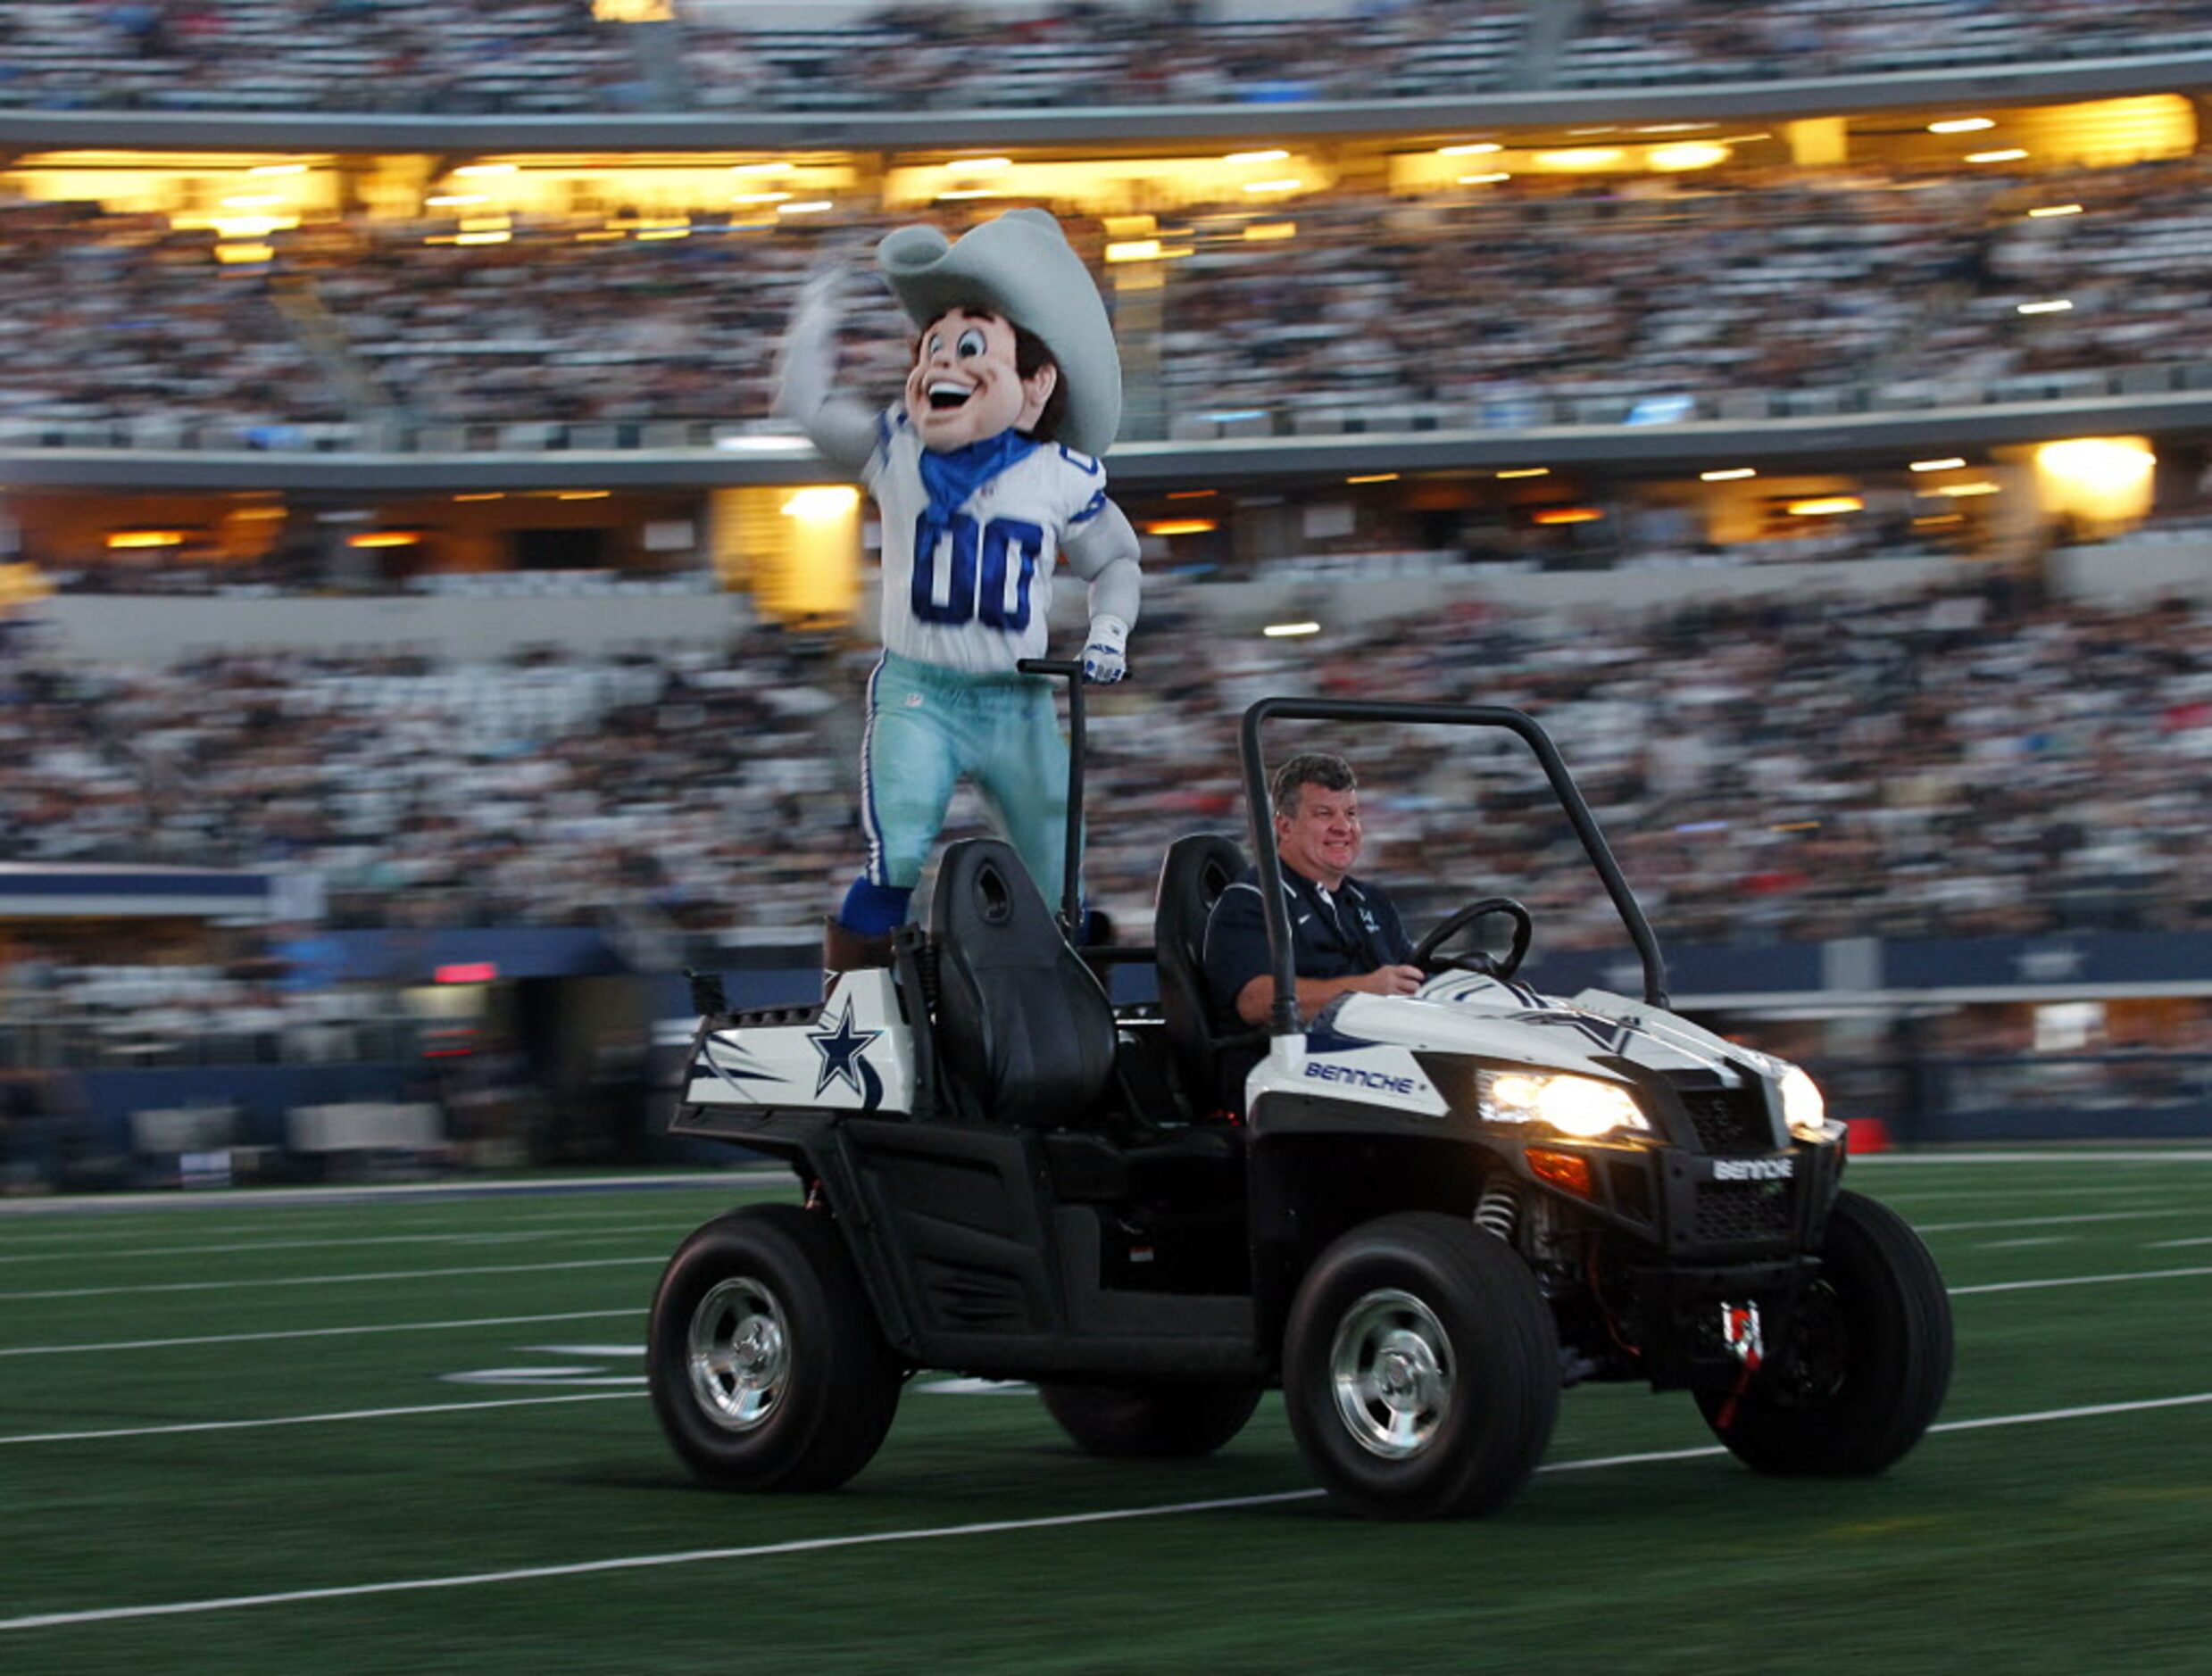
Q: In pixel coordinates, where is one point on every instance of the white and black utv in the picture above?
(1421, 1217)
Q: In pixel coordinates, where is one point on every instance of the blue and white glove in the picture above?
(1106, 658)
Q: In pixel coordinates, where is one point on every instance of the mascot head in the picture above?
(1014, 335)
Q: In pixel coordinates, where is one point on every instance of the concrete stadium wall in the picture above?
(162, 630)
(1340, 600)
(2148, 567)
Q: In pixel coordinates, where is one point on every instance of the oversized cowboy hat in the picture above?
(1021, 267)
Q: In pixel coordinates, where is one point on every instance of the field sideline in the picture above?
(405, 1431)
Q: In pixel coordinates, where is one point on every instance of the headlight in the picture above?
(1802, 1107)
(1581, 1106)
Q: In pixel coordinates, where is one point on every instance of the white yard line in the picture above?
(2078, 1280)
(379, 1413)
(113, 1433)
(2057, 1222)
(1914, 1206)
(82, 1235)
(136, 1345)
(256, 1197)
(927, 1533)
(328, 1279)
(78, 1253)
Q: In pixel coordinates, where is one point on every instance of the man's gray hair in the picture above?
(1313, 767)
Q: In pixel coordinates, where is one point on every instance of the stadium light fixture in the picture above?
(1290, 631)
(1680, 158)
(1181, 526)
(1484, 180)
(1950, 463)
(811, 206)
(2050, 210)
(1962, 125)
(1960, 491)
(1583, 159)
(2056, 305)
(832, 501)
(1477, 148)
(1825, 506)
(1257, 157)
(252, 227)
(2107, 479)
(1731, 474)
(1552, 516)
(2008, 154)
(2100, 461)
(1375, 476)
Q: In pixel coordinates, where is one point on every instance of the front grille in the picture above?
(1729, 1119)
(1729, 1211)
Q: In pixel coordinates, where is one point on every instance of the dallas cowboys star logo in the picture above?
(844, 1050)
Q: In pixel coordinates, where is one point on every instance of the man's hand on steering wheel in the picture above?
(1391, 980)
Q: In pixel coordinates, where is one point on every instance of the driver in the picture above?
(1344, 931)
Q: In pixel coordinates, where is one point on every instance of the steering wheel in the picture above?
(1481, 964)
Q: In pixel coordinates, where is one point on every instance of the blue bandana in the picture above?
(951, 477)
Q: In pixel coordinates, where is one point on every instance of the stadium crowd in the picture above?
(1873, 289)
(1972, 761)
(1622, 43)
(548, 57)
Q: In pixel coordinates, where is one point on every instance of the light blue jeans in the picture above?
(928, 728)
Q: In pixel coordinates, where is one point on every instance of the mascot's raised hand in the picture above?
(987, 476)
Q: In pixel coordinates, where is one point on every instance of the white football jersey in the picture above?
(974, 596)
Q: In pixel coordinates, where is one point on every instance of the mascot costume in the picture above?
(986, 476)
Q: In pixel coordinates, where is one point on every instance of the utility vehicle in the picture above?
(1422, 1217)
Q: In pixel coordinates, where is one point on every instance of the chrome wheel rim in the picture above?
(739, 1357)
(1390, 1368)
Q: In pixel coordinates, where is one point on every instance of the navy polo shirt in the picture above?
(1341, 934)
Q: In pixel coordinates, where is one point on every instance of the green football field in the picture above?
(407, 1433)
